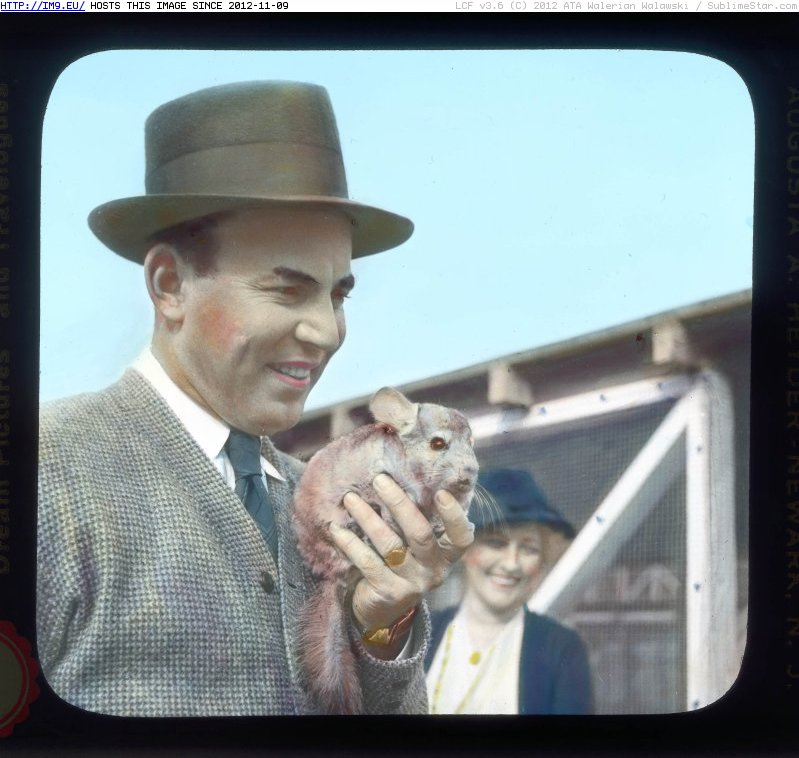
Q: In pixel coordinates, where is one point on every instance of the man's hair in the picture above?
(195, 241)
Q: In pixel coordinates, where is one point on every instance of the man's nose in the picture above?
(320, 327)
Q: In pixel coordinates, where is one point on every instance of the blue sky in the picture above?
(554, 193)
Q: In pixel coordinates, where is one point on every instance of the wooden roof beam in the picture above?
(506, 387)
(670, 344)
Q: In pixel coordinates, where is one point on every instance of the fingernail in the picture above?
(333, 526)
(442, 500)
(381, 481)
(348, 499)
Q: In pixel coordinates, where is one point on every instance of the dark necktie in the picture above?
(244, 451)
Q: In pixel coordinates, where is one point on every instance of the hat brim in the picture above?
(127, 225)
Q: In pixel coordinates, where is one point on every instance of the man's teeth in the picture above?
(296, 373)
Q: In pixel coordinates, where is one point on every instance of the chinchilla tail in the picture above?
(328, 661)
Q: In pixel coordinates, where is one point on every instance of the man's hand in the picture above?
(386, 592)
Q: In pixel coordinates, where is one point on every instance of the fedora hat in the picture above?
(242, 145)
(519, 500)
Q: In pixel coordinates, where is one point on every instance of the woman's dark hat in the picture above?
(519, 500)
(248, 144)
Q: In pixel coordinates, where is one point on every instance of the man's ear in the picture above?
(165, 272)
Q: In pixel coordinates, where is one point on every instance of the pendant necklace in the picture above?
(475, 658)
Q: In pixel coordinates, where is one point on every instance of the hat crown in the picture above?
(261, 138)
(240, 114)
(518, 499)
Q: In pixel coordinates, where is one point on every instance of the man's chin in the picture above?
(279, 419)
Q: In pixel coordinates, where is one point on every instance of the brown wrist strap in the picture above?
(387, 635)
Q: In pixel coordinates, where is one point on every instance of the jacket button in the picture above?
(267, 583)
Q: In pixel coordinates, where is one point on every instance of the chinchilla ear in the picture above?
(391, 407)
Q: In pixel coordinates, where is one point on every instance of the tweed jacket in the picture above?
(554, 675)
(156, 593)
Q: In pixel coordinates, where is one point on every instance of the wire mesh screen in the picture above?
(631, 615)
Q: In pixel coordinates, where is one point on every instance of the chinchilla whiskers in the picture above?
(484, 504)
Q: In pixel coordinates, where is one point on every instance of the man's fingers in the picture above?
(367, 561)
(426, 560)
(359, 553)
(414, 526)
(399, 568)
(458, 530)
(381, 595)
(380, 534)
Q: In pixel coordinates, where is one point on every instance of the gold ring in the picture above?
(396, 557)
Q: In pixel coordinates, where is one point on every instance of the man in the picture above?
(169, 583)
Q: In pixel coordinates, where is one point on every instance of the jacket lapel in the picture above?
(294, 578)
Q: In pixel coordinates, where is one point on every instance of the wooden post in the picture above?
(711, 569)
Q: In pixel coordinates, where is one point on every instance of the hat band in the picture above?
(265, 169)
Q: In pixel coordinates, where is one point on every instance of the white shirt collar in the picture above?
(209, 432)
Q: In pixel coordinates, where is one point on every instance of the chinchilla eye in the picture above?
(438, 443)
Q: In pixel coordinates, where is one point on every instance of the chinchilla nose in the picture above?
(467, 478)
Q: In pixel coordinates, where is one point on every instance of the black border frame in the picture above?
(757, 716)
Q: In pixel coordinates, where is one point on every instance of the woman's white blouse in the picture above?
(455, 685)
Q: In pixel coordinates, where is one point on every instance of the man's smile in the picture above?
(295, 373)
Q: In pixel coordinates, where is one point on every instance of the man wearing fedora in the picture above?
(169, 583)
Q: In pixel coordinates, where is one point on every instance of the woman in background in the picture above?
(490, 654)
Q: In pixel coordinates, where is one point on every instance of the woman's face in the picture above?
(503, 568)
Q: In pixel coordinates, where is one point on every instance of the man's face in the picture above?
(257, 333)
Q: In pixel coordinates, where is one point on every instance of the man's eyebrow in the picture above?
(292, 274)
